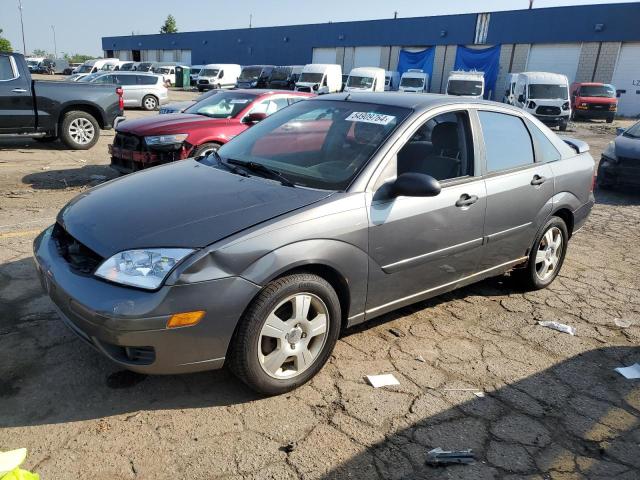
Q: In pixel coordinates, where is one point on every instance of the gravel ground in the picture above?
(552, 407)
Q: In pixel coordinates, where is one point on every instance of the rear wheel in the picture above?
(79, 130)
(287, 334)
(150, 102)
(547, 255)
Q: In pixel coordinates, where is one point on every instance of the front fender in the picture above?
(348, 261)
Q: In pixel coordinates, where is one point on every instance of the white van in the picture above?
(415, 81)
(218, 75)
(466, 84)
(168, 71)
(545, 95)
(365, 79)
(391, 80)
(95, 65)
(194, 71)
(510, 89)
(320, 78)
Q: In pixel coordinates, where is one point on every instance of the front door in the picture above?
(16, 100)
(421, 245)
(519, 189)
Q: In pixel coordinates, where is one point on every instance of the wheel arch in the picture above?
(92, 110)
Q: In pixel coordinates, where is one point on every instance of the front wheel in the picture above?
(287, 334)
(547, 255)
(205, 149)
(610, 119)
(563, 125)
(150, 103)
(79, 130)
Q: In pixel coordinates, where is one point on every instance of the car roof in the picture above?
(258, 92)
(415, 101)
(542, 76)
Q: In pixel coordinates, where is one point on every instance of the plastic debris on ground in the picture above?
(420, 359)
(479, 394)
(396, 333)
(560, 327)
(631, 372)
(622, 323)
(384, 380)
(438, 456)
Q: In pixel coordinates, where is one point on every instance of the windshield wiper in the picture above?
(231, 168)
(258, 167)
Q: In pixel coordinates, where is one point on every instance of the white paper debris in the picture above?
(622, 323)
(560, 327)
(479, 394)
(631, 372)
(384, 380)
(420, 359)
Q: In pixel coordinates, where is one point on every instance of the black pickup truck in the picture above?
(50, 110)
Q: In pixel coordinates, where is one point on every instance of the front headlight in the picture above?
(166, 139)
(142, 268)
(610, 152)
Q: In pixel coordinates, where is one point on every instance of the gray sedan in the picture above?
(327, 214)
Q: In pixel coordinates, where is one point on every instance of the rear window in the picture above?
(507, 141)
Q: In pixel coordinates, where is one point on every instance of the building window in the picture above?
(482, 28)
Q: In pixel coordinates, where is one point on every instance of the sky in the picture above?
(80, 24)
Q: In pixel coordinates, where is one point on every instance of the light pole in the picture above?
(24, 47)
(55, 47)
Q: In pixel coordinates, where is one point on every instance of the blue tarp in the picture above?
(422, 60)
(486, 60)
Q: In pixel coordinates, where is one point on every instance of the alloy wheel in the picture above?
(549, 253)
(81, 131)
(150, 103)
(293, 336)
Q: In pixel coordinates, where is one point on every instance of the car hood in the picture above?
(182, 204)
(600, 100)
(627, 147)
(178, 106)
(167, 124)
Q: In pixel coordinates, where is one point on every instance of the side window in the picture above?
(221, 74)
(6, 69)
(441, 147)
(545, 151)
(126, 79)
(147, 79)
(105, 79)
(507, 141)
(261, 107)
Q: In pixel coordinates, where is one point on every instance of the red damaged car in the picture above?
(203, 127)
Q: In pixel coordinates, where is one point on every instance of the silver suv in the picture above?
(139, 89)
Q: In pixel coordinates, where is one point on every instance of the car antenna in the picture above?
(347, 97)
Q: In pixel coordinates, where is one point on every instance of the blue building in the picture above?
(586, 43)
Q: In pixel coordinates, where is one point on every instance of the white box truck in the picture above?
(320, 78)
(365, 79)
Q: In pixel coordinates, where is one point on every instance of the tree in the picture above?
(38, 52)
(77, 57)
(169, 25)
(5, 45)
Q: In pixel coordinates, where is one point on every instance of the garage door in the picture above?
(555, 58)
(168, 56)
(626, 79)
(185, 57)
(367, 56)
(324, 55)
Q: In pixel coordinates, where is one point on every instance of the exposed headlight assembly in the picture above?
(166, 139)
(610, 152)
(146, 268)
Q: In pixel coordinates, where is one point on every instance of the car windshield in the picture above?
(311, 77)
(85, 69)
(464, 87)
(32, 63)
(145, 66)
(209, 72)
(195, 71)
(250, 73)
(604, 91)
(316, 144)
(222, 105)
(127, 67)
(161, 70)
(360, 82)
(412, 82)
(633, 131)
(280, 73)
(547, 91)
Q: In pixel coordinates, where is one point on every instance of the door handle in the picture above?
(538, 180)
(466, 200)
(19, 90)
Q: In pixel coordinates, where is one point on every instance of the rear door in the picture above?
(519, 188)
(16, 101)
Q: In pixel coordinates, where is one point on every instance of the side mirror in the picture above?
(254, 118)
(619, 131)
(415, 185)
(521, 98)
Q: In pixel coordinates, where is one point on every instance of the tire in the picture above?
(563, 125)
(200, 89)
(205, 149)
(573, 116)
(149, 102)
(610, 119)
(79, 130)
(533, 276)
(287, 340)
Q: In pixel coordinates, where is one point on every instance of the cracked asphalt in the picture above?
(552, 405)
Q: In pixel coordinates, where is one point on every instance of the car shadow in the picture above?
(19, 143)
(576, 419)
(88, 175)
(619, 195)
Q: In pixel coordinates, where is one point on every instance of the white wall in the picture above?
(627, 77)
(324, 55)
(367, 57)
